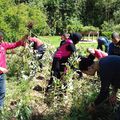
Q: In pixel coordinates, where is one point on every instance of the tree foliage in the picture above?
(57, 16)
(14, 18)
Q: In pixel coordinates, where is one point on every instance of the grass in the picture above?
(55, 41)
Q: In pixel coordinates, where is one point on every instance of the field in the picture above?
(26, 82)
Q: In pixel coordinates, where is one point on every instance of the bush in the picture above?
(89, 28)
(13, 20)
(74, 26)
(107, 26)
(116, 28)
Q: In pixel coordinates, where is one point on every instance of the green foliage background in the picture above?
(52, 17)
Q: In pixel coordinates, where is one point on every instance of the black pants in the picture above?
(57, 68)
(41, 50)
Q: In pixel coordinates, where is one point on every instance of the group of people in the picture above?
(108, 67)
(107, 63)
(67, 47)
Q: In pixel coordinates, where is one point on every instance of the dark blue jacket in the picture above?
(109, 70)
(113, 49)
(103, 41)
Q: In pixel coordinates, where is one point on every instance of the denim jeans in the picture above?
(2, 89)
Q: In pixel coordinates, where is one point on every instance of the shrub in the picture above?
(107, 34)
(74, 25)
(13, 20)
(89, 28)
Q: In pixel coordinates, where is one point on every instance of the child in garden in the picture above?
(96, 53)
(4, 46)
(109, 72)
(61, 57)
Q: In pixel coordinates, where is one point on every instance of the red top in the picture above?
(62, 51)
(100, 54)
(36, 40)
(6, 46)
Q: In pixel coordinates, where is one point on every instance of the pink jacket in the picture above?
(36, 40)
(6, 46)
(62, 52)
(100, 54)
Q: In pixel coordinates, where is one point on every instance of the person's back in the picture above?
(103, 41)
(96, 53)
(110, 69)
(63, 52)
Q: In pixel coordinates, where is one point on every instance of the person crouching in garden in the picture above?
(109, 72)
(4, 46)
(39, 47)
(103, 41)
(61, 57)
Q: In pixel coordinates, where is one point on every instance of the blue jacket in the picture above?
(113, 49)
(103, 41)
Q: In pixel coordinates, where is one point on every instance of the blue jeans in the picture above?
(2, 89)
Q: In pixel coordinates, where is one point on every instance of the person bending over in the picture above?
(109, 72)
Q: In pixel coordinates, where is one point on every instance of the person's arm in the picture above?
(102, 96)
(71, 48)
(21, 42)
(106, 48)
(100, 46)
(104, 92)
(111, 47)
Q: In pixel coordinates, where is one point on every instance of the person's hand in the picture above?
(4, 70)
(91, 108)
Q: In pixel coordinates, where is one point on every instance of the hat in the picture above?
(75, 37)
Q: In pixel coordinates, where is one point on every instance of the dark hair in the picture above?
(75, 37)
(85, 63)
(115, 35)
(92, 57)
